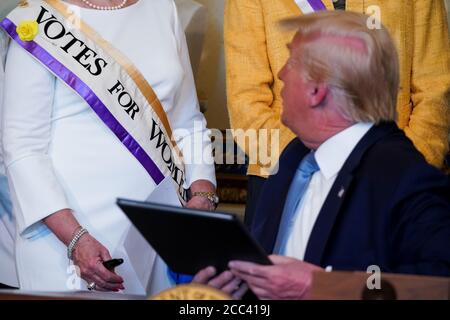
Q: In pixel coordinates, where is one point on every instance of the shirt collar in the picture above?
(332, 154)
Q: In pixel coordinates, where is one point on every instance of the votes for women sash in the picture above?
(111, 85)
(310, 6)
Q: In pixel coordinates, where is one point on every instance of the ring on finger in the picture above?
(91, 286)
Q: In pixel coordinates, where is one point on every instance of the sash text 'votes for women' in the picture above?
(93, 63)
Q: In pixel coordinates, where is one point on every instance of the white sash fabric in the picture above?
(107, 81)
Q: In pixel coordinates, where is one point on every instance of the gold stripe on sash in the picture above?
(121, 59)
(328, 4)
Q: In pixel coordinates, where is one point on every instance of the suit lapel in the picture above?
(327, 217)
(338, 194)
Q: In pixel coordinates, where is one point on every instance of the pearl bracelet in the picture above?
(74, 241)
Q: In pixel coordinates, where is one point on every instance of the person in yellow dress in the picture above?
(255, 51)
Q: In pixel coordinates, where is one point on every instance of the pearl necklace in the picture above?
(94, 6)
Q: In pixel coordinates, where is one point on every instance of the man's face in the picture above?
(296, 104)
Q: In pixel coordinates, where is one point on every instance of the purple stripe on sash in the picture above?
(317, 5)
(90, 97)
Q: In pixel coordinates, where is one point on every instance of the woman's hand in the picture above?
(198, 202)
(225, 282)
(89, 255)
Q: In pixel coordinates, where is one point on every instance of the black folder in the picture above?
(189, 240)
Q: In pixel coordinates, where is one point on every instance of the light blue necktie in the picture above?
(5, 202)
(298, 187)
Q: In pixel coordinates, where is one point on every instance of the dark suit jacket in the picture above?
(387, 207)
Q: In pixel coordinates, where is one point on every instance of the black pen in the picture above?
(111, 264)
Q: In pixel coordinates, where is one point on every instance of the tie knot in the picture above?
(309, 164)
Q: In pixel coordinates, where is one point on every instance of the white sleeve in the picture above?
(3, 48)
(26, 133)
(188, 123)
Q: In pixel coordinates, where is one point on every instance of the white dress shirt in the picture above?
(330, 156)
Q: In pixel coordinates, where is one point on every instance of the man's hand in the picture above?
(225, 282)
(287, 279)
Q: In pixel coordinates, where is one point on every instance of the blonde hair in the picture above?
(360, 65)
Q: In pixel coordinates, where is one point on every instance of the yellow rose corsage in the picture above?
(27, 30)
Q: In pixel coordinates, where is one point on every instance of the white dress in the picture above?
(8, 273)
(58, 154)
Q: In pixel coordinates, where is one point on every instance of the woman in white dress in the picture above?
(66, 168)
